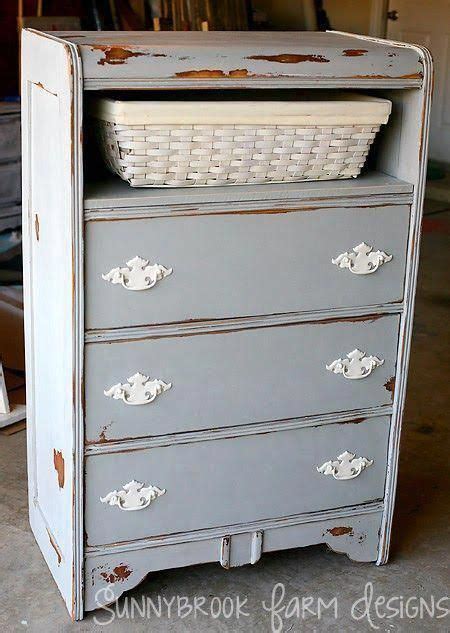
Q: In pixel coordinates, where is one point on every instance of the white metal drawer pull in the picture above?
(133, 496)
(363, 260)
(138, 274)
(139, 389)
(356, 366)
(346, 466)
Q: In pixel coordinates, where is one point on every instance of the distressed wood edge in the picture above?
(406, 321)
(270, 82)
(240, 528)
(273, 206)
(272, 426)
(206, 326)
(78, 325)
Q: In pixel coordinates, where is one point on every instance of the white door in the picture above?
(428, 23)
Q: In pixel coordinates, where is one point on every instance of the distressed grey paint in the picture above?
(361, 544)
(237, 377)
(239, 265)
(247, 479)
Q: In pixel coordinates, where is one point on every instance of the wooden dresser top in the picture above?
(251, 59)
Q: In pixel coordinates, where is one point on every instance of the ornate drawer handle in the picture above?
(138, 274)
(357, 365)
(363, 260)
(133, 496)
(346, 466)
(139, 389)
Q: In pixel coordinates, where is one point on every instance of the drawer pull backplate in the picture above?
(356, 366)
(363, 260)
(346, 466)
(133, 496)
(139, 389)
(138, 274)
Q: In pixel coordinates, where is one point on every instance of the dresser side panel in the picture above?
(50, 297)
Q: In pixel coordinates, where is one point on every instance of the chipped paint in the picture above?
(36, 226)
(354, 52)
(115, 55)
(55, 547)
(118, 574)
(58, 463)
(205, 73)
(340, 531)
(40, 85)
(354, 421)
(390, 386)
(418, 75)
(290, 58)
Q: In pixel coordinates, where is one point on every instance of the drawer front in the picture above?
(230, 265)
(236, 377)
(237, 480)
(10, 185)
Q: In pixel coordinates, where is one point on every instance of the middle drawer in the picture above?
(236, 377)
(175, 269)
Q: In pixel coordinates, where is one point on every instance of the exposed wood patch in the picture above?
(40, 85)
(341, 531)
(115, 54)
(36, 226)
(118, 574)
(55, 547)
(410, 76)
(290, 58)
(354, 421)
(58, 463)
(205, 73)
(354, 52)
(390, 386)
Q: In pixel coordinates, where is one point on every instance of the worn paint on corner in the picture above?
(290, 58)
(118, 574)
(354, 52)
(58, 463)
(341, 531)
(115, 55)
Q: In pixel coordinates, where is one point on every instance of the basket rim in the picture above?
(343, 109)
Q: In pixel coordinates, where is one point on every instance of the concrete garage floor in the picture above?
(418, 568)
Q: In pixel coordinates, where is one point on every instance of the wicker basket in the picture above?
(179, 144)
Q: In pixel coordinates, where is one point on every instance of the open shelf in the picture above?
(112, 192)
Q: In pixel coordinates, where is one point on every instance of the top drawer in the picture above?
(241, 264)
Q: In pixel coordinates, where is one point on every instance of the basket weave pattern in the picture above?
(185, 155)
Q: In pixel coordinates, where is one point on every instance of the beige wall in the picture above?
(344, 15)
(349, 15)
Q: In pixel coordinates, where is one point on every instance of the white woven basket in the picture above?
(179, 144)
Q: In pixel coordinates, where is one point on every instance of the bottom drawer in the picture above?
(213, 483)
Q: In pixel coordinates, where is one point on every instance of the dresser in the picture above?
(213, 372)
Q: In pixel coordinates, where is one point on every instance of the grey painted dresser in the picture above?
(249, 398)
